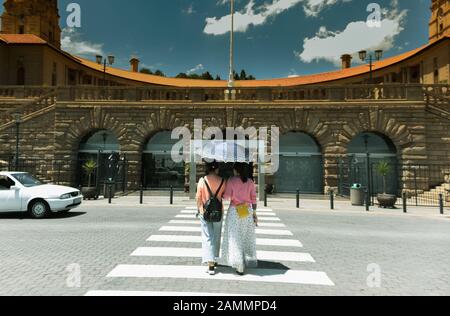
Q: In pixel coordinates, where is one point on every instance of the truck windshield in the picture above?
(27, 180)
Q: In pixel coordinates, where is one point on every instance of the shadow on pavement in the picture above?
(25, 215)
(265, 268)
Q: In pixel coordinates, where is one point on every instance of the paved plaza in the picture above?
(154, 249)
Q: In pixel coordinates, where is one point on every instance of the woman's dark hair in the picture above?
(211, 167)
(243, 170)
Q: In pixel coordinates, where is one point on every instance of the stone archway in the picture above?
(300, 164)
(98, 146)
(159, 170)
(364, 153)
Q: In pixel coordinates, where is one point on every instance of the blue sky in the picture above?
(275, 38)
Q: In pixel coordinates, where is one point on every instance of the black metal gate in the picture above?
(110, 168)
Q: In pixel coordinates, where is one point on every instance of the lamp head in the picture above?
(378, 54)
(363, 55)
(111, 59)
(99, 59)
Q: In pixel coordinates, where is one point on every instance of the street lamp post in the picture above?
(378, 54)
(369, 186)
(18, 120)
(109, 60)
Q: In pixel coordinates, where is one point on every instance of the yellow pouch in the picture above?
(242, 210)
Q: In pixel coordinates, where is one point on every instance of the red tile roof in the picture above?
(189, 83)
(21, 39)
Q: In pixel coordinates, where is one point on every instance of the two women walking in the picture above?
(239, 240)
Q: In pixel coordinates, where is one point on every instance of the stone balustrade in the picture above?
(327, 93)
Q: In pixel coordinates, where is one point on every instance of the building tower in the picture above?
(38, 17)
(440, 19)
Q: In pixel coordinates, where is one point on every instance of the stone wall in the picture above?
(420, 137)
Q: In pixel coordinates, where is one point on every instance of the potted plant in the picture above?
(385, 200)
(89, 192)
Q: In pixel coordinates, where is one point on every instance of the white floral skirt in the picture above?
(239, 241)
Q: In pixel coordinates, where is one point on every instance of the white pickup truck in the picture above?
(21, 192)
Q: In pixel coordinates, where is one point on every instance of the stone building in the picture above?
(72, 109)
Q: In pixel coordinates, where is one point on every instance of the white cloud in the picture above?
(244, 19)
(71, 42)
(197, 68)
(314, 7)
(259, 15)
(330, 46)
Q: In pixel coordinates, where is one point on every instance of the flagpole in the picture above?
(231, 74)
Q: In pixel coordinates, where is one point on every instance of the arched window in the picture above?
(380, 149)
(98, 146)
(158, 168)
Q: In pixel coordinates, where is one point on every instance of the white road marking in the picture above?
(198, 239)
(155, 293)
(176, 238)
(198, 272)
(180, 229)
(276, 232)
(271, 225)
(189, 212)
(197, 222)
(197, 253)
(191, 207)
(279, 242)
(185, 216)
(268, 219)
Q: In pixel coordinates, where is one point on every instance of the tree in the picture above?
(146, 71)
(159, 73)
(384, 169)
(218, 77)
(207, 76)
(243, 75)
(182, 75)
(90, 167)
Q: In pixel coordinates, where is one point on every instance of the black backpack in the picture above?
(213, 207)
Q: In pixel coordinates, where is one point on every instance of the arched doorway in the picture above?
(380, 148)
(301, 165)
(159, 171)
(102, 147)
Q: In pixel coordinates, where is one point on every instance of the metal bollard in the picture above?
(109, 193)
(141, 200)
(298, 198)
(171, 195)
(441, 203)
(332, 199)
(367, 200)
(405, 210)
(265, 198)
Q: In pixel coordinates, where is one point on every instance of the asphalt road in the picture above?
(100, 249)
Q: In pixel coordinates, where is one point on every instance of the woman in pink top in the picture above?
(211, 232)
(239, 243)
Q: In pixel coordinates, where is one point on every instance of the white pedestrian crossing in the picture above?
(276, 232)
(198, 272)
(156, 294)
(198, 239)
(197, 253)
(187, 222)
(196, 222)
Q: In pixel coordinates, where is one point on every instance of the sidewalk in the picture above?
(318, 204)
